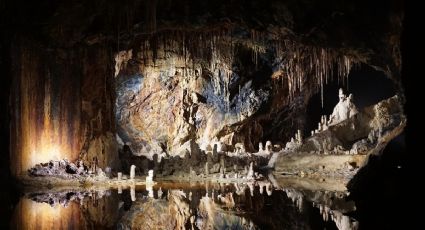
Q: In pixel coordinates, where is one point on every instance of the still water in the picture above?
(171, 205)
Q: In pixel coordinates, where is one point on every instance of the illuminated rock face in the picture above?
(168, 98)
(61, 106)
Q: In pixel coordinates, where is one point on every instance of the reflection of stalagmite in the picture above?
(227, 199)
(239, 190)
(267, 185)
(269, 189)
(133, 192)
(296, 197)
(250, 174)
(119, 189)
(149, 188)
(344, 222)
(251, 188)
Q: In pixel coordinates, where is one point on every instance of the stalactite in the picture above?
(301, 61)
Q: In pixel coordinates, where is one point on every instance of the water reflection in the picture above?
(258, 205)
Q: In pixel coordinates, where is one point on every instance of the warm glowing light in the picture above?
(32, 215)
(45, 154)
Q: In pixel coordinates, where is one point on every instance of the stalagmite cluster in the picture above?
(344, 109)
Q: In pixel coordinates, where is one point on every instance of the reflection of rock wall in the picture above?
(159, 213)
(60, 101)
(68, 209)
(100, 210)
(32, 215)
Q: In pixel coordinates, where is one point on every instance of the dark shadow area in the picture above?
(377, 189)
(8, 194)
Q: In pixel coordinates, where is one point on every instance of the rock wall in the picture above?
(61, 105)
(241, 90)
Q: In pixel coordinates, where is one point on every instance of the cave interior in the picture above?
(304, 97)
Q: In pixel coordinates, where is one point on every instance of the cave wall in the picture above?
(238, 71)
(61, 104)
(241, 73)
(228, 86)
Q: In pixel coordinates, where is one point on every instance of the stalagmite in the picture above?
(119, 175)
(222, 165)
(343, 110)
(132, 172)
(300, 136)
(269, 147)
(260, 147)
(149, 178)
(207, 172)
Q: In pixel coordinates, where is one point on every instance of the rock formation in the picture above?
(343, 110)
(366, 132)
(149, 178)
(188, 91)
(132, 172)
